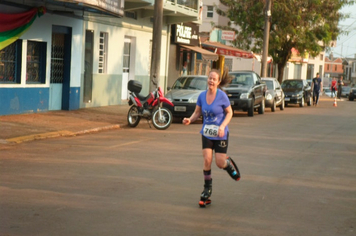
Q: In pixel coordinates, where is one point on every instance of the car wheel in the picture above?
(301, 104)
(282, 105)
(273, 107)
(261, 109)
(251, 109)
(351, 98)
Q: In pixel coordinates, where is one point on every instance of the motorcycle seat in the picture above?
(143, 98)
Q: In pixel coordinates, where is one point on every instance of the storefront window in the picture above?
(36, 62)
(10, 63)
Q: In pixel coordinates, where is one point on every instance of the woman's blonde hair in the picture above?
(224, 78)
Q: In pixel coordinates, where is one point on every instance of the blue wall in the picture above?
(31, 100)
(74, 98)
(23, 100)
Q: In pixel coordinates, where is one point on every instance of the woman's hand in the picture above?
(221, 131)
(186, 121)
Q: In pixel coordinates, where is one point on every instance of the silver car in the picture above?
(274, 95)
(184, 94)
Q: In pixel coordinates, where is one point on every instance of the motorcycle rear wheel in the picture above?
(133, 117)
(164, 121)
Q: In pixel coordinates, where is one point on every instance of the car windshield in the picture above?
(269, 84)
(242, 79)
(199, 83)
(292, 84)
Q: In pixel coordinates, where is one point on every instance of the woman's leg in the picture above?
(220, 160)
(208, 158)
(208, 181)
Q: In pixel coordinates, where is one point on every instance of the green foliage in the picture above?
(307, 25)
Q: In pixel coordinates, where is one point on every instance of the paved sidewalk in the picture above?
(27, 127)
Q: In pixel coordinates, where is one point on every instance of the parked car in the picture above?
(297, 91)
(352, 93)
(345, 91)
(246, 92)
(274, 94)
(184, 94)
(327, 92)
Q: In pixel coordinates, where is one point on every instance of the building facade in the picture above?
(349, 66)
(78, 55)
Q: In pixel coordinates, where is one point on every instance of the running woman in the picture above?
(214, 105)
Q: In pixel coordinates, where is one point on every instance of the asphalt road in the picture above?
(297, 165)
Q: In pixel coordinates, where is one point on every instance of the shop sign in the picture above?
(228, 35)
(185, 34)
(115, 7)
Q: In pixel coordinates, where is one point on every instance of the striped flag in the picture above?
(12, 26)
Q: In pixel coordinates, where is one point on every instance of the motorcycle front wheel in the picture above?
(161, 118)
(133, 117)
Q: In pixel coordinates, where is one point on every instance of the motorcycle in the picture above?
(149, 107)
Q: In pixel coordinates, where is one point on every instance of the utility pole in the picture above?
(266, 38)
(156, 45)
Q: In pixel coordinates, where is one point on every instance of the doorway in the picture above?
(59, 89)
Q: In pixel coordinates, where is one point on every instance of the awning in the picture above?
(206, 55)
(225, 50)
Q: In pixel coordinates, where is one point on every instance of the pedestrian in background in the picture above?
(214, 105)
(316, 87)
(340, 83)
(333, 87)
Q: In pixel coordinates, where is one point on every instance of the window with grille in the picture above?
(10, 63)
(103, 52)
(210, 12)
(57, 58)
(36, 62)
(126, 56)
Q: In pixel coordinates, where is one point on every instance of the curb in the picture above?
(61, 133)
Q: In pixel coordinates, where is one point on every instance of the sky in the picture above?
(346, 44)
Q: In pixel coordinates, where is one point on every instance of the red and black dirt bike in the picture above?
(149, 107)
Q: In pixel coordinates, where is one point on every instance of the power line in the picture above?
(348, 37)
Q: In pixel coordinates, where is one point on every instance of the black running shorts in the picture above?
(220, 146)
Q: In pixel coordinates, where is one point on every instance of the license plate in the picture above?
(286, 99)
(180, 108)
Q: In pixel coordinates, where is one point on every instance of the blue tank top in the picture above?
(213, 114)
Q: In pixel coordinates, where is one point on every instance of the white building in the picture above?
(81, 55)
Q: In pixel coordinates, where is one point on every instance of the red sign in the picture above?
(227, 52)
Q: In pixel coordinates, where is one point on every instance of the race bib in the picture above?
(211, 130)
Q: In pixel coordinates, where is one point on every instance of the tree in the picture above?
(306, 25)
